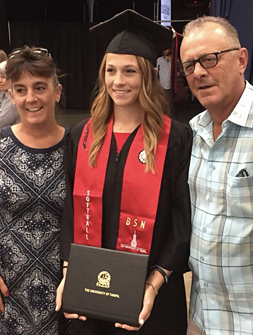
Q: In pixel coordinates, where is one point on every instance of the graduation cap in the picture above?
(134, 34)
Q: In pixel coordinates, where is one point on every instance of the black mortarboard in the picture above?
(134, 34)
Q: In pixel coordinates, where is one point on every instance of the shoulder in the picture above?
(180, 132)
(5, 132)
(75, 131)
(159, 60)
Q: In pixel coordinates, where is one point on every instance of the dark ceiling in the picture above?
(77, 10)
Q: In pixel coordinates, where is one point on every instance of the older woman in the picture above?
(32, 193)
(132, 161)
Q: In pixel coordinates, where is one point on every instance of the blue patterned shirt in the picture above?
(222, 217)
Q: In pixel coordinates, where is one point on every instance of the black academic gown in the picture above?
(170, 243)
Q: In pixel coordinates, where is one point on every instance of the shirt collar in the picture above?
(242, 114)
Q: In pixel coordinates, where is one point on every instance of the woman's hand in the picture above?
(148, 302)
(4, 290)
(154, 281)
(58, 302)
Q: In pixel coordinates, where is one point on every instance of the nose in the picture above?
(31, 96)
(119, 78)
(199, 71)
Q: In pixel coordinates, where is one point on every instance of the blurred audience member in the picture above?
(8, 112)
(164, 74)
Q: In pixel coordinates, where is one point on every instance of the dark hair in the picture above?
(37, 61)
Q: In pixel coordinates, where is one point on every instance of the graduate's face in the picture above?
(123, 79)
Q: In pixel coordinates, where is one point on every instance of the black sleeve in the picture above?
(175, 251)
(67, 223)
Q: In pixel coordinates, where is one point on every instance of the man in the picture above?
(163, 65)
(220, 179)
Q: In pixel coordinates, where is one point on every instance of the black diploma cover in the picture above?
(105, 284)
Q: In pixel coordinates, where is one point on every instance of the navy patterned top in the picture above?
(32, 194)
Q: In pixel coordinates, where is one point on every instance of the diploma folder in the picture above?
(105, 284)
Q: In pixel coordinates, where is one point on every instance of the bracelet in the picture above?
(64, 266)
(155, 289)
(162, 272)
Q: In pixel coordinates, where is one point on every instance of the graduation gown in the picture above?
(171, 236)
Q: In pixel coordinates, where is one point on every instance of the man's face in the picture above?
(166, 52)
(219, 87)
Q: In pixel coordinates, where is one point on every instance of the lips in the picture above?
(121, 91)
(204, 87)
(34, 109)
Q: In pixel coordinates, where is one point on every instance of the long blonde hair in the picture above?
(153, 103)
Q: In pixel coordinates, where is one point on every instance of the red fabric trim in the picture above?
(140, 193)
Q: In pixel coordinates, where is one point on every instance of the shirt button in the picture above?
(210, 199)
(213, 167)
(205, 284)
(201, 258)
(204, 230)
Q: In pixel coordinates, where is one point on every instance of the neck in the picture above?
(220, 113)
(38, 136)
(126, 119)
(167, 57)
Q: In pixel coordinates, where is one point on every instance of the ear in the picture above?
(12, 96)
(58, 92)
(243, 59)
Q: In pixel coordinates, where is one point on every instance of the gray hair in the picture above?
(230, 30)
(2, 68)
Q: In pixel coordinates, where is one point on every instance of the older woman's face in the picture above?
(35, 98)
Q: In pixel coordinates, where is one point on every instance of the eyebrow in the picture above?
(34, 84)
(124, 66)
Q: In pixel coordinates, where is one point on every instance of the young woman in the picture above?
(32, 194)
(133, 162)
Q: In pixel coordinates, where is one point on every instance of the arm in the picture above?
(59, 293)
(4, 291)
(174, 253)
(67, 224)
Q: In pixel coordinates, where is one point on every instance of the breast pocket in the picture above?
(240, 196)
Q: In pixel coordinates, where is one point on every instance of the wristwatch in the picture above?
(162, 272)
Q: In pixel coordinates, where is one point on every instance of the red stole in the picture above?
(139, 198)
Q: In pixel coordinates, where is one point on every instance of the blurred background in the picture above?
(62, 26)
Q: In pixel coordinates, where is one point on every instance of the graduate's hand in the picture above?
(4, 290)
(58, 302)
(148, 302)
